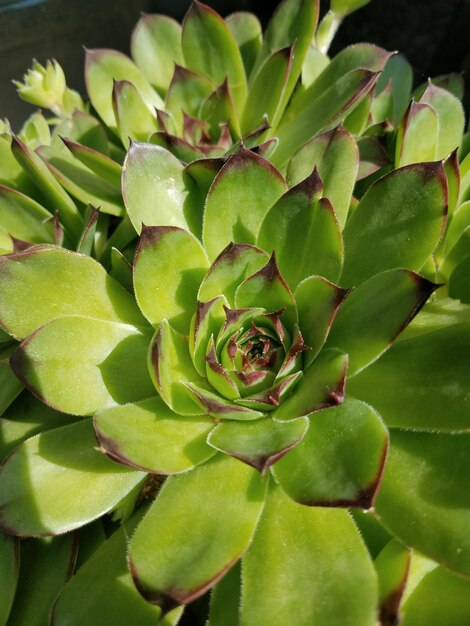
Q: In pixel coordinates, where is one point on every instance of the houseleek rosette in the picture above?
(227, 373)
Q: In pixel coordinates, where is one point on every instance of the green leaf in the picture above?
(452, 170)
(84, 128)
(205, 324)
(10, 386)
(47, 282)
(35, 131)
(149, 436)
(459, 281)
(267, 287)
(9, 567)
(344, 7)
(103, 588)
(80, 365)
(218, 109)
(309, 563)
(121, 270)
(46, 564)
(336, 156)
(242, 192)
(303, 231)
(417, 135)
(293, 24)
(247, 32)
(399, 221)
(458, 253)
(87, 238)
(314, 63)
(218, 407)
(399, 73)
(155, 190)
(230, 269)
(156, 47)
(340, 460)
(431, 373)
(440, 598)
(169, 266)
(321, 112)
(24, 218)
(187, 92)
(26, 417)
(451, 118)
(96, 161)
(180, 148)
(135, 121)
(322, 386)
(211, 511)
(260, 443)
(266, 93)
(170, 366)
(210, 49)
(33, 164)
(392, 566)
(80, 181)
(376, 312)
(225, 599)
(102, 68)
(422, 499)
(317, 301)
(57, 481)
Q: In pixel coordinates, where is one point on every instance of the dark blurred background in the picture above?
(433, 34)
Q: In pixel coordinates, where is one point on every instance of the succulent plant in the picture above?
(240, 395)
(255, 368)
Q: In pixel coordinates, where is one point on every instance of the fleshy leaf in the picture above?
(266, 94)
(85, 129)
(121, 270)
(181, 149)
(259, 443)
(155, 191)
(317, 301)
(134, 120)
(376, 312)
(102, 68)
(268, 287)
(9, 568)
(46, 564)
(340, 460)
(169, 266)
(293, 23)
(80, 365)
(399, 73)
(220, 408)
(156, 47)
(242, 192)
(336, 156)
(54, 193)
(419, 499)
(25, 417)
(46, 282)
(206, 322)
(218, 109)
(417, 135)
(399, 221)
(247, 31)
(459, 281)
(24, 218)
(451, 118)
(170, 367)
(322, 112)
(392, 565)
(10, 386)
(210, 49)
(58, 481)
(319, 551)
(303, 231)
(225, 599)
(230, 269)
(440, 597)
(314, 63)
(80, 182)
(322, 386)
(96, 161)
(213, 512)
(431, 372)
(149, 436)
(187, 92)
(103, 588)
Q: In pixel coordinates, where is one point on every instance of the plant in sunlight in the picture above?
(252, 406)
